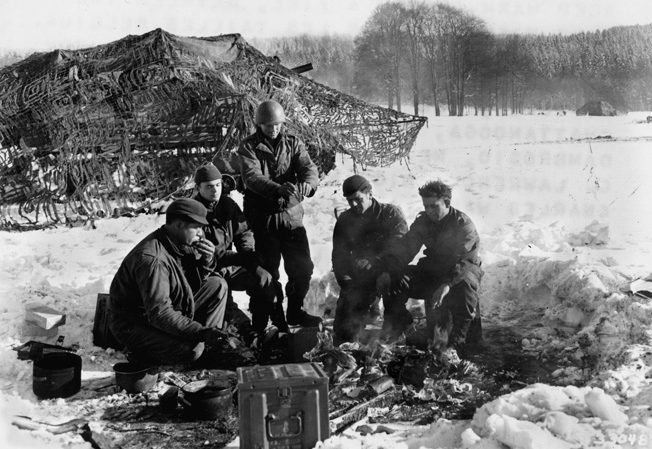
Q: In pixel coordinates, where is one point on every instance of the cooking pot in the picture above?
(56, 375)
(210, 402)
(135, 378)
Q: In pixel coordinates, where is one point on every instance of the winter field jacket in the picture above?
(227, 227)
(154, 286)
(267, 166)
(365, 236)
(450, 254)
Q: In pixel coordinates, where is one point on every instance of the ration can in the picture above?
(283, 406)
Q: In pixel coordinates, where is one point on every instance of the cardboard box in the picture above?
(283, 406)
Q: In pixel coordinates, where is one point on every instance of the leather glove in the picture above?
(215, 336)
(344, 281)
(404, 283)
(363, 264)
(287, 189)
(263, 276)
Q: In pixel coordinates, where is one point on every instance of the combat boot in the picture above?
(302, 318)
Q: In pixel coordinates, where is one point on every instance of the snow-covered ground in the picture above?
(562, 206)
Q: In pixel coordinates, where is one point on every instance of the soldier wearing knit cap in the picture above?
(355, 183)
(207, 173)
(235, 257)
(361, 234)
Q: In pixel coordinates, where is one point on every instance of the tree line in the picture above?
(437, 54)
(444, 56)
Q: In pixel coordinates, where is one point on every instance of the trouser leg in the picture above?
(278, 315)
(474, 335)
(146, 344)
(462, 302)
(268, 247)
(211, 302)
(298, 266)
(261, 301)
(351, 313)
(397, 318)
(457, 314)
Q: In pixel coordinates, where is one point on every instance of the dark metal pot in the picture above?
(57, 375)
(211, 402)
(135, 378)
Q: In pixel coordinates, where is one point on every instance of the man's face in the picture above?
(188, 232)
(210, 190)
(271, 130)
(435, 208)
(359, 202)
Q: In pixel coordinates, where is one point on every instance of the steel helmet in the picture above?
(269, 112)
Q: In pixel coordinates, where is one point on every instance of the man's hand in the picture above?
(287, 189)
(263, 276)
(439, 294)
(345, 280)
(304, 188)
(404, 283)
(215, 336)
(363, 264)
(206, 249)
(383, 283)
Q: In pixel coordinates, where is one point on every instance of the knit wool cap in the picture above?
(188, 208)
(354, 184)
(207, 173)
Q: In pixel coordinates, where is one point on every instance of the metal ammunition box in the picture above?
(282, 406)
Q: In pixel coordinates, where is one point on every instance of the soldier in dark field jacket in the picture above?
(278, 174)
(235, 256)
(447, 277)
(165, 300)
(360, 236)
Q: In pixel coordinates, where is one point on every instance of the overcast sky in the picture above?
(48, 24)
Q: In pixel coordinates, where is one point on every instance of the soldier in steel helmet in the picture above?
(278, 174)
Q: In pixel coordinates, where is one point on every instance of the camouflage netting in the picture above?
(123, 125)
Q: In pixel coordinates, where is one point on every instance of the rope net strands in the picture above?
(89, 133)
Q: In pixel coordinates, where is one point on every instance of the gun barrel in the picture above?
(303, 68)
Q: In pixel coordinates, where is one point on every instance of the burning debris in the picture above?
(405, 383)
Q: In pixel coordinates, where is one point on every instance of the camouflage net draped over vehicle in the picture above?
(123, 125)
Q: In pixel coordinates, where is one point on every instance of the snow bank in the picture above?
(543, 416)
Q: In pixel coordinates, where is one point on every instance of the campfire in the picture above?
(397, 382)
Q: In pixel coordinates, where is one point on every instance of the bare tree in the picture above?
(380, 46)
(431, 34)
(457, 33)
(413, 25)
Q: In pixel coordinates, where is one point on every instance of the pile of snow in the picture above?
(542, 416)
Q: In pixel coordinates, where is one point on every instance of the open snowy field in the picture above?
(562, 204)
